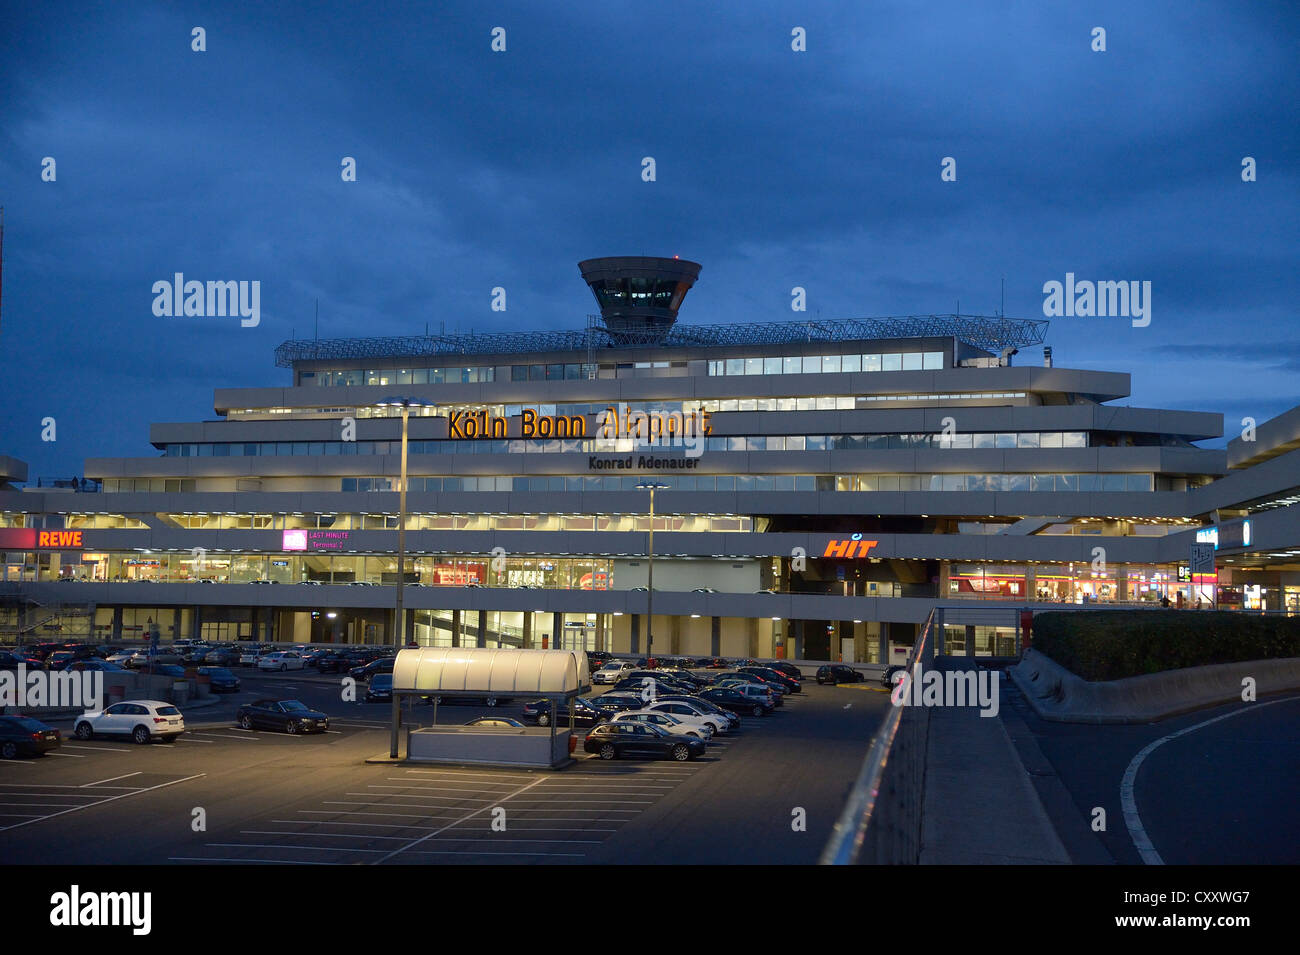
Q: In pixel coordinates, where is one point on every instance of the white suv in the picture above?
(142, 720)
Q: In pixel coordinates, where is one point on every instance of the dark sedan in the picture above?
(366, 671)
(220, 679)
(614, 740)
(332, 662)
(21, 735)
(380, 689)
(290, 716)
(11, 661)
(585, 713)
(221, 657)
(838, 673)
(618, 702)
(775, 676)
(736, 702)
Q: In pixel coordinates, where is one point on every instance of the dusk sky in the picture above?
(774, 169)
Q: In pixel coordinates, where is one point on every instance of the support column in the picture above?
(176, 624)
(635, 623)
(600, 631)
(117, 623)
(455, 628)
(528, 629)
(557, 629)
(482, 629)
(715, 637)
(884, 643)
(970, 639)
(797, 631)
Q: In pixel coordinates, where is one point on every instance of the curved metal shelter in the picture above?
(479, 671)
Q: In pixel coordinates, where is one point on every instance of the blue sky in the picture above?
(478, 169)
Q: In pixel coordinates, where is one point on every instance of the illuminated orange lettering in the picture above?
(43, 539)
(836, 548)
(848, 548)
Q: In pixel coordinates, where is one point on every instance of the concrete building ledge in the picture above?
(1056, 694)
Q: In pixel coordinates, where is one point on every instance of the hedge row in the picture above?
(1102, 645)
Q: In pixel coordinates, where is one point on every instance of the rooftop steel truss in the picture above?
(989, 332)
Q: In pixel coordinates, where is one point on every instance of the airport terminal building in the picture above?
(817, 487)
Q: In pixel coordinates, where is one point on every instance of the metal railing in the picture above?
(881, 822)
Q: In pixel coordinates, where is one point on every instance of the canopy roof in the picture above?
(479, 670)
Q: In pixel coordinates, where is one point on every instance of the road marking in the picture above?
(470, 815)
(1127, 796)
(100, 802)
(261, 845)
(96, 749)
(423, 796)
(67, 755)
(109, 780)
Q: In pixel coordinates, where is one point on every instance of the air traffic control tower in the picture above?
(639, 295)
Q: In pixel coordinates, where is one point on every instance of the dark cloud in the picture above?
(775, 169)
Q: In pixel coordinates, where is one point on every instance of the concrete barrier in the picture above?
(494, 746)
(1056, 694)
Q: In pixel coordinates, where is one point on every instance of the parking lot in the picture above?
(223, 795)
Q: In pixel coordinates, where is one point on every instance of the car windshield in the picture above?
(168, 711)
(218, 671)
(382, 679)
(292, 706)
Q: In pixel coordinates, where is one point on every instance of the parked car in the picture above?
(95, 666)
(24, 736)
(291, 716)
(749, 688)
(221, 679)
(737, 702)
(332, 662)
(222, 657)
(839, 673)
(11, 661)
(890, 676)
(775, 676)
(374, 667)
(612, 672)
(121, 657)
(716, 722)
(500, 722)
(617, 702)
(585, 713)
(677, 725)
(789, 669)
(280, 660)
(380, 688)
(615, 740)
(142, 720)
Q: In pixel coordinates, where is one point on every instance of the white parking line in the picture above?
(246, 739)
(100, 802)
(470, 815)
(326, 835)
(423, 796)
(111, 779)
(442, 789)
(338, 802)
(67, 755)
(96, 749)
(260, 845)
(458, 852)
(358, 812)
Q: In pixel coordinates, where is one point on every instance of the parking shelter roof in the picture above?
(479, 670)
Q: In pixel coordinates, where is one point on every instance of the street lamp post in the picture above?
(651, 486)
(405, 404)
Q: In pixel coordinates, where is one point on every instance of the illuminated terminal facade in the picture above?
(819, 486)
